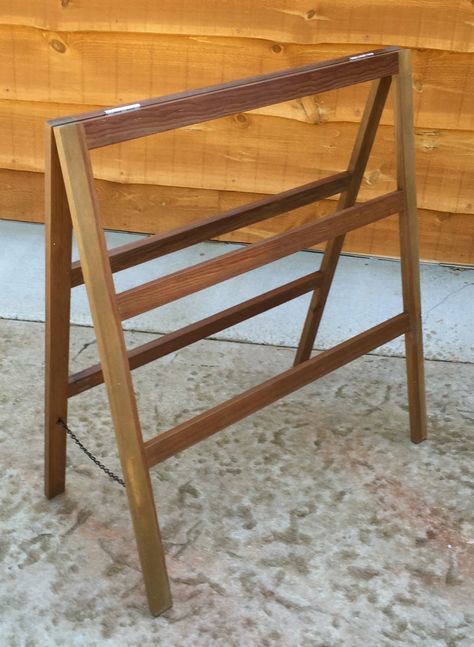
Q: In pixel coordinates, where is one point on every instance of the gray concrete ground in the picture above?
(312, 523)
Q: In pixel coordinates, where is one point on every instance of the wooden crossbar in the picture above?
(183, 282)
(213, 420)
(171, 342)
(158, 245)
(150, 116)
(71, 202)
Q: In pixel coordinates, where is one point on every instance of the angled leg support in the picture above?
(80, 190)
(409, 247)
(360, 155)
(58, 295)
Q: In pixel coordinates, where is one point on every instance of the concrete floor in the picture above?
(312, 523)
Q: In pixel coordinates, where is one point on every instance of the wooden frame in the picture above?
(71, 202)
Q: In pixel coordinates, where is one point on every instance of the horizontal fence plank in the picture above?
(410, 23)
(160, 244)
(56, 67)
(196, 106)
(183, 282)
(444, 237)
(208, 423)
(169, 343)
(255, 154)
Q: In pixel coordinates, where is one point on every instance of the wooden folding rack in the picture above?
(71, 202)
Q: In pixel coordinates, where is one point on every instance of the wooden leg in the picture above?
(58, 294)
(360, 155)
(80, 190)
(409, 248)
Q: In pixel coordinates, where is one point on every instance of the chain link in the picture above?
(95, 460)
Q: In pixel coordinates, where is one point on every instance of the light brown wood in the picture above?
(48, 65)
(183, 282)
(411, 23)
(58, 235)
(229, 156)
(78, 180)
(32, 69)
(206, 424)
(409, 249)
(443, 237)
(357, 165)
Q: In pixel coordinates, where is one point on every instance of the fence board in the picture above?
(434, 24)
(254, 154)
(109, 68)
(444, 237)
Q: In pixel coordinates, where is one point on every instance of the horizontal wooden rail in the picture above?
(171, 342)
(151, 116)
(160, 244)
(183, 282)
(208, 423)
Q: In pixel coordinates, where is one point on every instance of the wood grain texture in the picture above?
(213, 420)
(444, 237)
(183, 282)
(63, 68)
(193, 107)
(434, 24)
(227, 154)
(59, 58)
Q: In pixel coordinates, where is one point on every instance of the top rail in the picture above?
(123, 123)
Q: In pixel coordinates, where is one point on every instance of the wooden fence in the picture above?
(66, 56)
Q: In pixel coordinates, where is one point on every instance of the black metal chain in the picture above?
(95, 460)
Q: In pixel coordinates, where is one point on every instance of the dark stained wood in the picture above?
(179, 284)
(357, 165)
(154, 246)
(92, 376)
(177, 110)
(58, 295)
(409, 259)
(208, 423)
